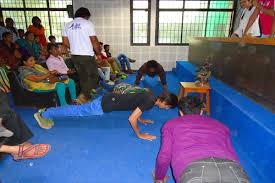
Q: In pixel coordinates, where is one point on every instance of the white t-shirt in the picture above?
(79, 32)
(254, 29)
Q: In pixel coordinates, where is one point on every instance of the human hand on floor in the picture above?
(159, 181)
(147, 136)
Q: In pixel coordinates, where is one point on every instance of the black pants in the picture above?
(86, 68)
(13, 122)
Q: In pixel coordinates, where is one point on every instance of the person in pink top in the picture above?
(198, 148)
(264, 8)
(56, 62)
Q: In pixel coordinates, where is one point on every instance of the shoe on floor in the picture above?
(42, 122)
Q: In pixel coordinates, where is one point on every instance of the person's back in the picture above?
(198, 137)
(130, 101)
(193, 144)
(78, 32)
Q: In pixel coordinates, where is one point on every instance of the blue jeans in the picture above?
(89, 109)
(214, 170)
(124, 61)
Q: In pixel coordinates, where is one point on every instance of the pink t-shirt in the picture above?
(266, 20)
(57, 63)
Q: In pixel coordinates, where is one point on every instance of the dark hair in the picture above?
(170, 99)
(82, 12)
(51, 46)
(6, 34)
(21, 30)
(100, 43)
(25, 57)
(35, 18)
(9, 20)
(152, 64)
(51, 37)
(190, 105)
(105, 46)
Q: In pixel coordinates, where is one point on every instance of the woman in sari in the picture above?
(38, 79)
(38, 30)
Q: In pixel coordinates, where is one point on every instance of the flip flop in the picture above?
(40, 150)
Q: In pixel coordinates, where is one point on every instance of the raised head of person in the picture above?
(152, 68)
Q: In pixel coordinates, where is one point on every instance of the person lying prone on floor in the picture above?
(137, 102)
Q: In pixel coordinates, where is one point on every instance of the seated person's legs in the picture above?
(4, 132)
(61, 92)
(72, 89)
(13, 122)
(18, 144)
(118, 64)
(124, 60)
(113, 64)
(105, 74)
(101, 74)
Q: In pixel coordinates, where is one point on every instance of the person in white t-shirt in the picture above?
(254, 30)
(80, 37)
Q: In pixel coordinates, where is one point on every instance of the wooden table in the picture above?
(191, 87)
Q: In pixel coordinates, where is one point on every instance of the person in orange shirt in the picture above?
(38, 30)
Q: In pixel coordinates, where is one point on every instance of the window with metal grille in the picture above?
(53, 14)
(140, 22)
(179, 20)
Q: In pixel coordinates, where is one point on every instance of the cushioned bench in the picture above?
(252, 126)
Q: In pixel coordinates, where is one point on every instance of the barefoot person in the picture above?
(136, 102)
(17, 143)
(198, 148)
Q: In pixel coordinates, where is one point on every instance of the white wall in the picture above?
(112, 24)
